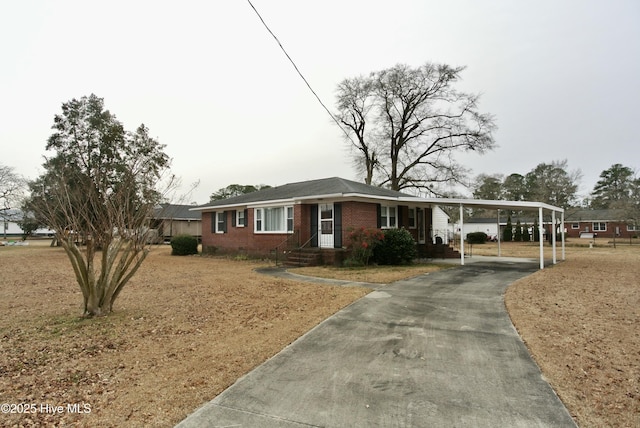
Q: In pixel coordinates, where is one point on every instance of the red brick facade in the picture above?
(244, 239)
(602, 229)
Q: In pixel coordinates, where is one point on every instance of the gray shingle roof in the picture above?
(576, 215)
(311, 188)
(175, 212)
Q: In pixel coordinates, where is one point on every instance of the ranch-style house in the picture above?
(318, 214)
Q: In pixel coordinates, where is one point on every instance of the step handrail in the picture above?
(308, 241)
(286, 242)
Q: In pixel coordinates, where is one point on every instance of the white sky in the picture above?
(562, 78)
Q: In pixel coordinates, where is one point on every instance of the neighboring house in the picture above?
(172, 220)
(584, 223)
(578, 223)
(486, 225)
(316, 214)
(490, 226)
(9, 227)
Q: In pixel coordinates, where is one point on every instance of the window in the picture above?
(631, 228)
(575, 225)
(274, 219)
(388, 217)
(412, 218)
(599, 227)
(289, 219)
(240, 220)
(221, 222)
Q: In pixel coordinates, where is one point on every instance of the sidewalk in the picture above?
(438, 350)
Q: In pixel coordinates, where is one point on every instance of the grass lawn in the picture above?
(185, 328)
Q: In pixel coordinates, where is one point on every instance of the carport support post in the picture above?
(541, 235)
(498, 229)
(553, 236)
(461, 235)
(562, 234)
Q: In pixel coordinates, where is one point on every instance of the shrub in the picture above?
(477, 237)
(184, 245)
(361, 243)
(397, 248)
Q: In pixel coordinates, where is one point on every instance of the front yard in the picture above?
(185, 328)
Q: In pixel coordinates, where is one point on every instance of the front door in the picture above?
(325, 213)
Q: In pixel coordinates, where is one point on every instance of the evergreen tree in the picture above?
(613, 188)
(507, 232)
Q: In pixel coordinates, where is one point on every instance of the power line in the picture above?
(300, 73)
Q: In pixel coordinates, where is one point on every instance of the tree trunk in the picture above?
(120, 259)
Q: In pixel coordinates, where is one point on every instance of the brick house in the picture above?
(585, 223)
(314, 214)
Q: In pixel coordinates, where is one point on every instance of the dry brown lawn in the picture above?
(581, 321)
(185, 328)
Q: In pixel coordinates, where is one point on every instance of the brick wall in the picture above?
(611, 226)
(244, 240)
(359, 214)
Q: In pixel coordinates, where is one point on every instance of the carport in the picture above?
(507, 205)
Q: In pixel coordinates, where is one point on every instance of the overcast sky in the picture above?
(561, 77)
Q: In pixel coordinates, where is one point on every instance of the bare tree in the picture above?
(97, 193)
(12, 187)
(409, 123)
(355, 102)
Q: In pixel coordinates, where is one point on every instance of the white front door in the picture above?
(325, 213)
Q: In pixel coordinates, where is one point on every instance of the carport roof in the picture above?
(495, 205)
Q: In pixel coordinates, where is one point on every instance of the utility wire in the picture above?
(299, 73)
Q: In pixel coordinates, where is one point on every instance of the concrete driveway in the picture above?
(438, 350)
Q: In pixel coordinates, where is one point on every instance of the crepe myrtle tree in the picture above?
(97, 193)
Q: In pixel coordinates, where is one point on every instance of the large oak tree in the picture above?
(406, 125)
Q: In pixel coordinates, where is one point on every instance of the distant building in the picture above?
(583, 223)
(171, 220)
(9, 227)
